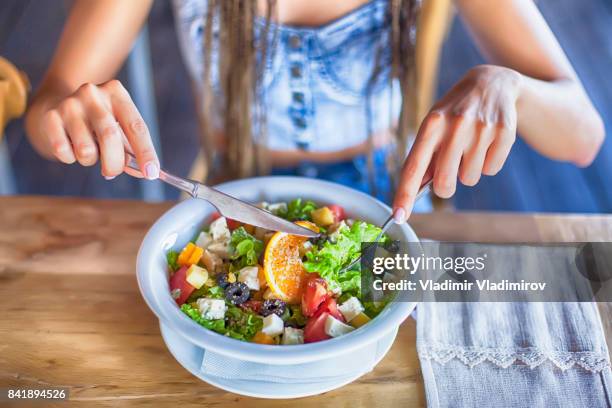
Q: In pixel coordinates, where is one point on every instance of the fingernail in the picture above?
(399, 216)
(151, 171)
(87, 150)
(109, 178)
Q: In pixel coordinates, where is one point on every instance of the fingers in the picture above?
(498, 152)
(83, 143)
(451, 147)
(472, 163)
(106, 130)
(500, 148)
(100, 121)
(134, 128)
(449, 157)
(59, 143)
(416, 165)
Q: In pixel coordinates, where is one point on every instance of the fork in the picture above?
(425, 187)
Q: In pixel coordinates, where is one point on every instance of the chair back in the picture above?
(14, 88)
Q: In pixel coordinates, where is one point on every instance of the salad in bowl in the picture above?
(273, 288)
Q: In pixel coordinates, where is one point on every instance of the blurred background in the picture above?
(29, 30)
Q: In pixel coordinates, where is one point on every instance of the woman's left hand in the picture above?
(469, 132)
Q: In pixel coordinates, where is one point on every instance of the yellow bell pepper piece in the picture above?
(196, 276)
(263, 338)
(322, 216)
(190, 255)
(359, 320)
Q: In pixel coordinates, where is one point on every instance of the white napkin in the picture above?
(355, 363)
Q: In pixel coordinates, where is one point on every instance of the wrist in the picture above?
(516, 81)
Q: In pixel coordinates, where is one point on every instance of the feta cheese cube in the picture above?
(335, 328)
(275, 208)
(272, 325)
(249, 276)
(212, 309)
(351, 308)
(204, 240)
(211, 261)
(293, 336)
(219, 230)
(220, 249)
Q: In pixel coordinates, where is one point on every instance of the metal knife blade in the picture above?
(238, 210)
(227, 205)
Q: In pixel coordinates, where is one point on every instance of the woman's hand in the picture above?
(95, 122)
(469, 132)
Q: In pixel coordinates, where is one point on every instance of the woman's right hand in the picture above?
(97, 122)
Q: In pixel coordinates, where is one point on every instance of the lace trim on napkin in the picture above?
(531, 356)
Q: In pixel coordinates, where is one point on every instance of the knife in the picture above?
(228, 206)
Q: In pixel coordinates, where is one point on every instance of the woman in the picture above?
(308, 87)
(321, 88)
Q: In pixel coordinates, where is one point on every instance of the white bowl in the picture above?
(179, 224)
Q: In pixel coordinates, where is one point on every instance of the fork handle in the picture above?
(185, 185)
(425, 187)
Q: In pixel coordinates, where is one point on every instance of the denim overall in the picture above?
(316, 85)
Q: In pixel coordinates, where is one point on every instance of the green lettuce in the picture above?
(238, 324)
(298, 210)
(242, 324)
(172, 260)
(295, 316)
(217, 325)
(214, 292)
(372, 309)
(246, 249)
(331, 257)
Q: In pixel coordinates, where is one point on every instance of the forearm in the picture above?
(557, 119)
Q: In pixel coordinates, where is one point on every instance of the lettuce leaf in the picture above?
(213, 292)
(296, 317)
(238, 324)
(332, 256)
(298, 210)
(217, 325)
(245, 247)
(242, 324)
(172, 260)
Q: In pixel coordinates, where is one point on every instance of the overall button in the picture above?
(299, 122)
(295, 41)
(298, 97)
(296, 71)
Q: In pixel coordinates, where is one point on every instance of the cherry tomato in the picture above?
(315, 329)
(179, 286)
(330, 307)
(338, 212)
(315, 293)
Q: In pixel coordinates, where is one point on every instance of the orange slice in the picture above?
(283, 267)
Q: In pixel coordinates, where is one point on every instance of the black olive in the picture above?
(320, 240)
(237, 293)
(222, 280)
(275, 306)
(291, 323)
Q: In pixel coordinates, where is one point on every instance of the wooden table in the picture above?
(71, 314)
